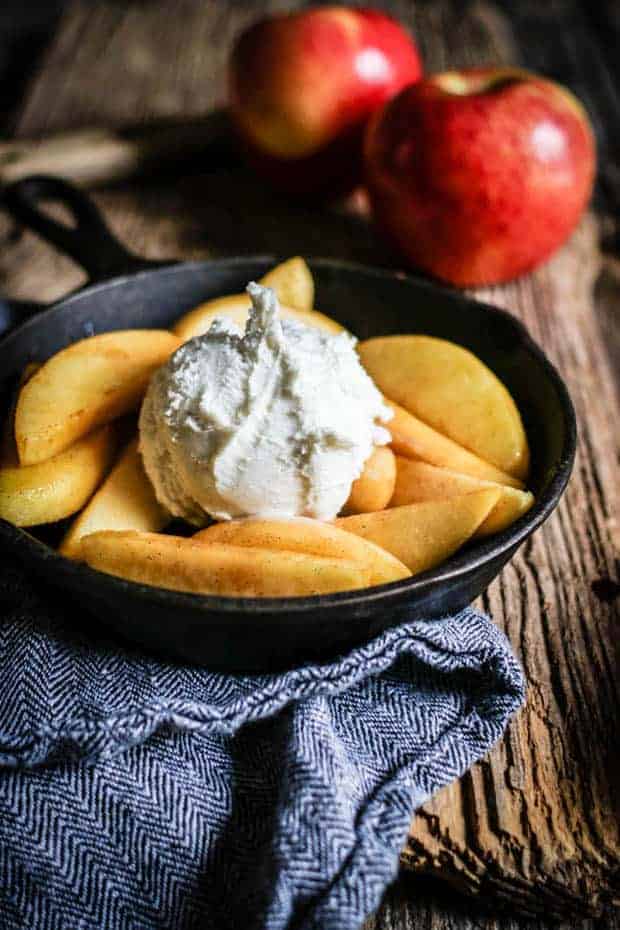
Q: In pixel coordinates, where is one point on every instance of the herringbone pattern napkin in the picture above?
(140, 794)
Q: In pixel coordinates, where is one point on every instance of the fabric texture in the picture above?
(140, 794)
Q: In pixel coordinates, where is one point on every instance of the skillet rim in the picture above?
(457, 566)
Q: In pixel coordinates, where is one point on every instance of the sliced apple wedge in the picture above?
(89, 383)
(234, 571)
(235, 308)
(419, 481)
(414, 439)
(293, 283)
(374, 488)
(58, 487)
(423, 535)
(125, 501)
(449, 388)
(313, 537)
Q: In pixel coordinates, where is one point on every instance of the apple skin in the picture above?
(477, 176)
(302, 87)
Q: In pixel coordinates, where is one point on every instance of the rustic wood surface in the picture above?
(533, 827)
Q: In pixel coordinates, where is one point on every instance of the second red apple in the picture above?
(303, 86)
(477, 176)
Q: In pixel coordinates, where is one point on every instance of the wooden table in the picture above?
(531, 829)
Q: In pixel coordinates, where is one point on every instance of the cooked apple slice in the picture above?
(449, 388)
(234, 571)
(293, 283)
(423, 535)
(313, 537)
(419, 481)
(89, 383)
(58, 487)
(125, 501)
(235, 308)
(414, 439)
(374, 488)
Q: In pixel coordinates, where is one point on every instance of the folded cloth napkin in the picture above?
(136, 793)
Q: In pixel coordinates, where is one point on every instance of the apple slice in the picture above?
(232, 571)
(414, 439)
(235, 308)
(58, 487)
(125, 501)
(293, 283)
(419, 481)
(423, 535)
(374, 488)
(301, 534)
(89, 383)
(449, 388)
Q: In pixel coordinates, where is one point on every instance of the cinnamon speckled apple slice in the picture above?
(301, 534)
(374, 488)
(293, 283)
(54, 489)
(235, 308)
(424, 535)
(449, 388)
(125, 501)
(235, 571)
(416, 440)
(419, 481)
(85, 385)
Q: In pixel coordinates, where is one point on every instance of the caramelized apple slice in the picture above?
(313, 537)
(293, 283)
(419, 481)
(424, 535)
(234, 571)
(89, 383)
(235, 308)
(58, 487)
(414, 439)
(125, 501)
(374, 488)
(449, 388)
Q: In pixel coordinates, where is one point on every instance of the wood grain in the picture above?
(541, 806)
(534, 825)
(421, 904)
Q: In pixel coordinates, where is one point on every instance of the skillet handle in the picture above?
(89, 241)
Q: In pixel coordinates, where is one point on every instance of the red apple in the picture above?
(303, 86)
(477, 176)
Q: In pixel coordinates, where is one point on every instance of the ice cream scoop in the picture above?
(276, 420)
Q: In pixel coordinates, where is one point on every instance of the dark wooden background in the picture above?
(577, 43)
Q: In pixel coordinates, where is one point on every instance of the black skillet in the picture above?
(231, 634)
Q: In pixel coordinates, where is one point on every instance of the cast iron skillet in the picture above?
(233, 634)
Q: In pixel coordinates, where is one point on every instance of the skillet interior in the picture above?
(368, 302)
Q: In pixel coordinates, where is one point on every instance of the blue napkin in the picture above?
(140, 794)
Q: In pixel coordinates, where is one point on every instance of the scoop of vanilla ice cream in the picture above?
(276, 420)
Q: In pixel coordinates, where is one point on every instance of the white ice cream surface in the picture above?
(277, 420)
